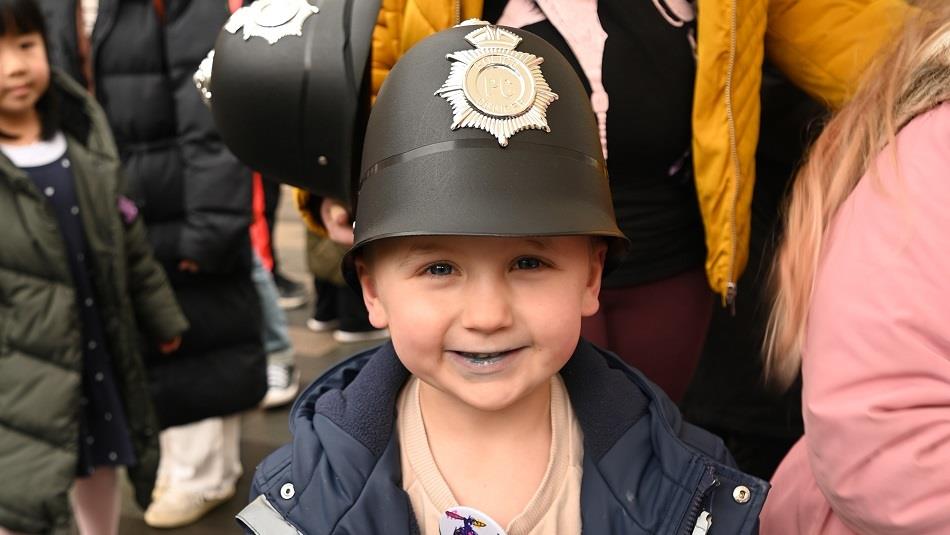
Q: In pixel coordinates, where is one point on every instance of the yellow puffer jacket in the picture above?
(821, 45)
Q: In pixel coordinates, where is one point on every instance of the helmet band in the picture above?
(464, 144)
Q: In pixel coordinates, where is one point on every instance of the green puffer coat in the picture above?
(40, 331)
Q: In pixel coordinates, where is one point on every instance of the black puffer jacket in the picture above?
(194, 195)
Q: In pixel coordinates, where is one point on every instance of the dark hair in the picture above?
(18, 17)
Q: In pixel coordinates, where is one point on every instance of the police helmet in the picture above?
(483, 130)
(289, 89)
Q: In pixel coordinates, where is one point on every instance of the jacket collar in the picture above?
(359, 395)
(619, 411)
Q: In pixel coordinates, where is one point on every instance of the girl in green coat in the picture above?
(76, 280)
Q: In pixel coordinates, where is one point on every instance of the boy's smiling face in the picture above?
(485, 320)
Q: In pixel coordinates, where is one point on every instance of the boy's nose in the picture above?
(487, 307)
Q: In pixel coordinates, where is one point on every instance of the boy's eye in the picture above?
(440, 269)
(527, 263)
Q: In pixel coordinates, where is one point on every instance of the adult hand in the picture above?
(336, 219)
(169, 346)
(188, 265)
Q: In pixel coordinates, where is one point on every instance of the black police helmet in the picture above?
(500, 172)
(289, 89)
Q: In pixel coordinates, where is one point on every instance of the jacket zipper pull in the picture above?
(703, 523)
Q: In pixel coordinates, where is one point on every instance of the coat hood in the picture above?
(80, 115)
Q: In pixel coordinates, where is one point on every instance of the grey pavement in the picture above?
(263, 431)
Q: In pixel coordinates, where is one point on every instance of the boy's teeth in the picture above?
(480, 355)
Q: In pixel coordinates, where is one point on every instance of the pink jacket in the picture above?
(875, 458)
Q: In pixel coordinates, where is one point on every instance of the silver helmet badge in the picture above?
(271, 19)
(496, 88)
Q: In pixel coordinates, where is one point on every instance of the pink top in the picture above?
(875, 458)
(577, 21)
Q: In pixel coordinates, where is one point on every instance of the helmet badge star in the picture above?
(271, 19)
(496, 88)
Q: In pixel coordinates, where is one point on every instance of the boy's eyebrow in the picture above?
(422, 248)
(540, 243)
(418, 249)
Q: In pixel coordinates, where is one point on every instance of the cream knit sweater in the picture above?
(555, 506)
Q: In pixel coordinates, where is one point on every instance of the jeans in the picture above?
(274, 328)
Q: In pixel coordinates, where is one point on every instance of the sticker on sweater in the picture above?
(468, 521)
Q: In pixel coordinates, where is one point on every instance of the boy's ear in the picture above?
(591, 300)
(374, 306)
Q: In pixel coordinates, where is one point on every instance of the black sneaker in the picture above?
(291, 294)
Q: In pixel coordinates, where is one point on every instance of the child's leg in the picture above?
(201, 464)
(231, 447)
(325, 309)
(203, 457)
(657, 327)
(95, 501)
(274, 325)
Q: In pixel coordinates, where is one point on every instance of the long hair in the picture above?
(910, 76)
(18, 17)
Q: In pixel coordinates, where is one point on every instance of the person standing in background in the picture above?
(691, 76)
(283, 379)
(78, 286)
(728, 395)
(338, 308)
(138, 58)
(862, 305)
(290, 293)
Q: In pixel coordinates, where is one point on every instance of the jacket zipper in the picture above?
(698, 518)
(458, 12)
(703, 523)
(731, 288)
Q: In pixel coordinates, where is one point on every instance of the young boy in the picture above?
(483, 226)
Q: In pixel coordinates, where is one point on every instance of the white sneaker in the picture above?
(174, 509)
(161, 484)
(290, 293)
(318, 326)
(346, 337)
(283, 382)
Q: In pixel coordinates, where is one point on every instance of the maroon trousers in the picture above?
(658, 327)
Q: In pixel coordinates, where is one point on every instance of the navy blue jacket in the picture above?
(645, 470)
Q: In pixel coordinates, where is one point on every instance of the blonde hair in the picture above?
(909, 78)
